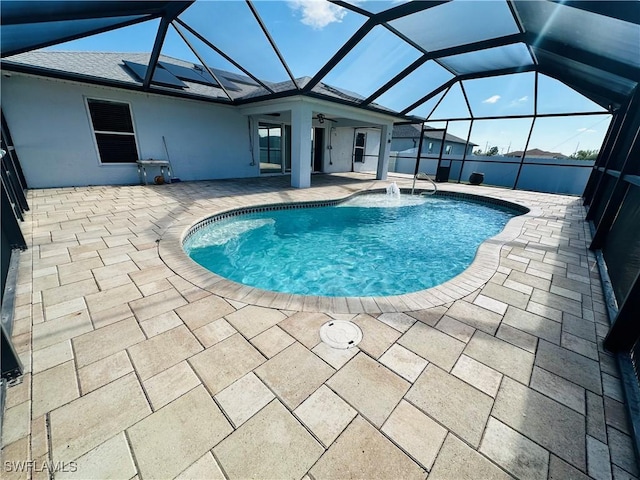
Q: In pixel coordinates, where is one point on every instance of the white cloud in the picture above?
(492, 99)
(523, 99)
(317, 13)
(587, 130)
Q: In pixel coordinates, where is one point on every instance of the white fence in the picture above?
(566, 176)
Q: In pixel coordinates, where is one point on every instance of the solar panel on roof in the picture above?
(190, 74)
(160, 75)
(228, 84)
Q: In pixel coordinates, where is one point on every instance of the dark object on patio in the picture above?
(476, 178)
(442, 174)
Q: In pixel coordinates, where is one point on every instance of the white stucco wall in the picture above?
(341, 150)
(50, 126)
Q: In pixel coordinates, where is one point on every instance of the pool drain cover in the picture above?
(340, 334)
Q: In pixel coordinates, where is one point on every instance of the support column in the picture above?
(301, 123)
(383, 154)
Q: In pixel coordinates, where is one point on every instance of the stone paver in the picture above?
(477, 374)
(475, 316)
(514, 452)
(518, 338)
(160, 324)
(377, 337)
(252, 320)
(369, 387)
(272, 444)
(432, 344)
(16, 423)
(272, 341)
(294, 374)
(112, 459)
(170, 384)
(305, 327)
(458, 461)
(325, 414)
(561, 390)
(93, 265)
(404, 362)
(204, 468)
(363, 452)
(534, 324)
(153, 305)
(242, 399)
(214, 332)
(621, 451)
(224, 363)
(104, 371)
(163, 351)
(572, 366)
(174, 437)
(400, 321)
(415, 433)
(456, 329)
(561, 470)
(90, 420)
(54, 387)
(204, 311)
(530, 413)
(598, 459)
(335, 357)
(106, 341)
(60, 329)
(452, 402)
(501, 356)
(51, 356)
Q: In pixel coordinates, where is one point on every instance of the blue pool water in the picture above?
(371, 245)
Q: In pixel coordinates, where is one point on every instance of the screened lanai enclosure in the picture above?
(537, 95)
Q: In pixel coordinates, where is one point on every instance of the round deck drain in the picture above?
(340, 334)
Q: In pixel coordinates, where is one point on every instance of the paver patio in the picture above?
(140, 365)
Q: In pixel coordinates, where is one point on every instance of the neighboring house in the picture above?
(537, 153)
(406, 137)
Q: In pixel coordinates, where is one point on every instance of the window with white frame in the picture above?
(113, 129)
(448, 149)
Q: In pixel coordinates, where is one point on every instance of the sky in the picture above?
(308, 33)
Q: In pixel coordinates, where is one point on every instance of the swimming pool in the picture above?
(370, 245)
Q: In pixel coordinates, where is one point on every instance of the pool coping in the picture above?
(482, 268)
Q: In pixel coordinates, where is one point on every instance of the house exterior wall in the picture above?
(54, 139)
(402, 144)
(341, 150)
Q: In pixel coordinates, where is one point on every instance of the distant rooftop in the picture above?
(536, 152)
(413, 131)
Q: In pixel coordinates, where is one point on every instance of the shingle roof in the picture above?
(110, 66)
(413, 131)
(536, 152)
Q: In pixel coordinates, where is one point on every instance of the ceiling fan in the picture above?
(321, 118)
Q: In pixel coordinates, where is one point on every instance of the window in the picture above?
(448, 149)
(270, 148)
(430, 149)
(359, 147)
(113, 128)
